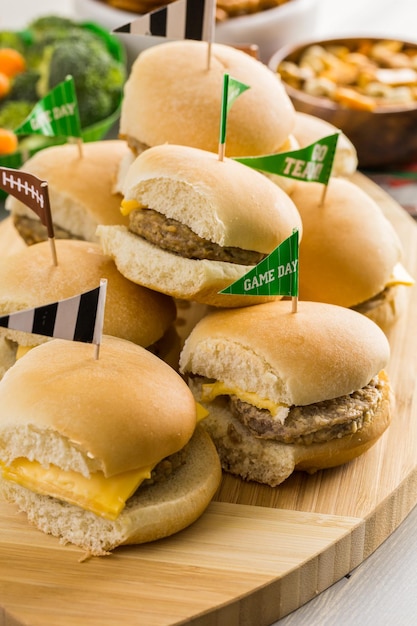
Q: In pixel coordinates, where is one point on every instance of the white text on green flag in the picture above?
(276, 275)
(312, 164)
(56, 115)
(232, 88)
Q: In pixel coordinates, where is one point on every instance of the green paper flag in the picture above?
(232, 89)
(312, 164)
(276, 275)
(56, 115)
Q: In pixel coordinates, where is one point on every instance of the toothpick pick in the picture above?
(53, 250)
(323, 195)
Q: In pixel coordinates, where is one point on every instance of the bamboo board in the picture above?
(257, 553)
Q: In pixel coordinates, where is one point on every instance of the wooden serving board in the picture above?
(257, 553)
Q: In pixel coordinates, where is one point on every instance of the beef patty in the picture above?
(175, 237)
(312, 423)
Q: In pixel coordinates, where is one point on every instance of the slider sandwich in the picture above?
(94, 453)
(82, 190)
(289, 391)
(28, 279)
(196, 224)
(173, 95)
(350, 254)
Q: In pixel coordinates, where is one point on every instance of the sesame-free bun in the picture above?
(319, 353)
(28, 279)
(223, 202)
(173, 96)
(308, 129)
(349, 248)
(61, 405)
(80, 187)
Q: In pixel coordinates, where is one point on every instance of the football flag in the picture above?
(79, 318)
(56, 115)
(182, 19)
(276, 275)
(30, 190)
(232, 89)
(312, 164)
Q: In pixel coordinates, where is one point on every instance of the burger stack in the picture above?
(255, 388)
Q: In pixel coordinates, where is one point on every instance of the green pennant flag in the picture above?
(276, 275)
(232, 89)
(56, 115)
(312, 164)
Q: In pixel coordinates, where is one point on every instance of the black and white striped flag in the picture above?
(79, 318)
(182, 19)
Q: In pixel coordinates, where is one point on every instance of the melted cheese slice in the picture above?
(128, 206)
(22, 350)
(103, 496)
(211, 390)
(400, 276)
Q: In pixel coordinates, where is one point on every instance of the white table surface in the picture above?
(382, 591)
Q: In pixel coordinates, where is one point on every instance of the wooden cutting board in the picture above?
(257, 553)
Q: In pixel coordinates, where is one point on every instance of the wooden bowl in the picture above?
(384, 136)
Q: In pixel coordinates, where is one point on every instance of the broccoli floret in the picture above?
(12, 39)
(94, 107)
(54, 26)
(24, 86)
(98, 77)
(14, 112)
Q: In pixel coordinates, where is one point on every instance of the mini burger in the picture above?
(28, 279)
(289, 391)
(350, 254)
(82, 190)
(94, 453)
(173, 95)
(196, 224)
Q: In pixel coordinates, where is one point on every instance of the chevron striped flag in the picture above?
(79, 318)
(182, 19)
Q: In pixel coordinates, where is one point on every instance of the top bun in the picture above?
(222, 201)
(349, 248)
(61, 405)
(81, 189)
(318, 353)
(172, 96)
(29, 279)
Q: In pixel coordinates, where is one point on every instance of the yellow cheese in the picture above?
(22, 350)
(212, 390)
(201, 412)
(103, 496)
(129, 205)
(400, 276)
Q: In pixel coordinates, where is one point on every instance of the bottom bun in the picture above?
(386, 308)
(154, 512)
(269, 462)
